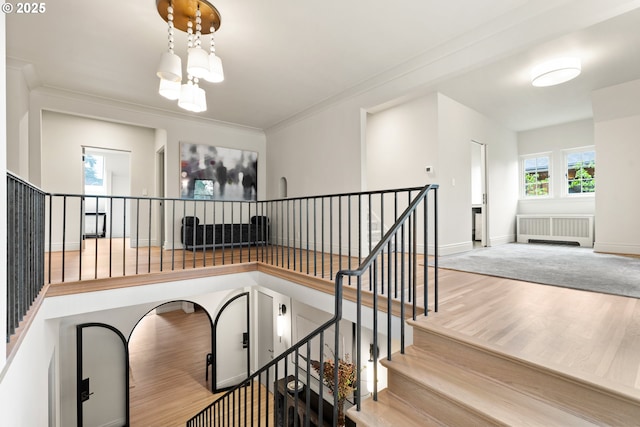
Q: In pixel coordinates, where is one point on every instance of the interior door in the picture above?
(265, 329)
(102, 382)
(231, 344)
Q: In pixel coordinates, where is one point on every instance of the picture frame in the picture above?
(210, 172)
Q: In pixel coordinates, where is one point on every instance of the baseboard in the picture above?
(617, 248)
(455, 248)
(502, 240)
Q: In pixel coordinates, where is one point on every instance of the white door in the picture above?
(231, 345)
(102, 376)
(265, 329)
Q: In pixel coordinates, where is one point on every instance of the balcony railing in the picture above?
(25, 248)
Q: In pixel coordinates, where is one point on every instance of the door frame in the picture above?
(214, 341)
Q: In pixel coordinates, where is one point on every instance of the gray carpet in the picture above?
(566, 266)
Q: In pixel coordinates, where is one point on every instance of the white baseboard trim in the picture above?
(455, 248)
(502, 240)
(617, 248)
(68, 246)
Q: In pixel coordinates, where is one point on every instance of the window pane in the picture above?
(581, 170)
(542, 163)
(93, 170)
(536, 176)
(529, 165)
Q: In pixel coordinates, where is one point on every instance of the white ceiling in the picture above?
(282, 57)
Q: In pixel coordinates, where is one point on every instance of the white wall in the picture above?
(458, 125)
(555, 140)
(17, 120)
(400, 142)
(617, 126)
(63, 137)
(314, 156)
(436, 131)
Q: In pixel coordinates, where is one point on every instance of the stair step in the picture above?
(390, 411)
(457, 396)
(575, 392)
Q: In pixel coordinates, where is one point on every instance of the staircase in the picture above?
(448, 379)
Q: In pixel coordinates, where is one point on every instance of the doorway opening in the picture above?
(479, 211)
(169, 346)
(107, 172)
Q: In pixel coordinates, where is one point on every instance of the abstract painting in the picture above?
(217, 173)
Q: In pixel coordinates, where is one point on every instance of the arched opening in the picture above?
(283, 188)
(168, 350)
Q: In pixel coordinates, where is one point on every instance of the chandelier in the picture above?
(196, 18)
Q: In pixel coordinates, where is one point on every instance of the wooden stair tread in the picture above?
(591, 397)
(591, 380)
(500, 403)
(390, 411)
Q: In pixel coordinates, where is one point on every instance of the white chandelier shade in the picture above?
(170, 89)
(216, 73)
(170, 67)
(187, 15)
(197, 62)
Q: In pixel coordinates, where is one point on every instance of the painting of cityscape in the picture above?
(217, 173)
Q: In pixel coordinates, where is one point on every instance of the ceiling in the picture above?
(283, 57)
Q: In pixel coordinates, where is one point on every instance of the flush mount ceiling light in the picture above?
(556, 71)
(196, 18)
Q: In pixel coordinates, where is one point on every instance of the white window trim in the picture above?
(524, 157)
(565, 177)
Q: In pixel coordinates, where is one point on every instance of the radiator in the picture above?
(556, 228)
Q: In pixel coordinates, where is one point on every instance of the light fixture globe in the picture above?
(197, 62)
(556, 71)
(216, 73)
(170, 67)
(200, 100)
(170, 89)
(187, 98)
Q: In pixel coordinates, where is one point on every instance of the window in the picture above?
(581, 172)
(536, 176)
(93, 170)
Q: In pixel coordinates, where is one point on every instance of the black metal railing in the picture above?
(93, 236)
(250, 403)
(25, 244)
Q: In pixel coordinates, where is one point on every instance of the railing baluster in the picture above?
(110, 235)
(124, 241)
(137, 233)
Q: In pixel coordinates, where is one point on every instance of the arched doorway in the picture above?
(167, 357)
(231, 344)
(102, 387)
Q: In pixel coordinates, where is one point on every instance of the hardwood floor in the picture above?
(596, 336)
(167, 376)
(167, 369)
(592, 334)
